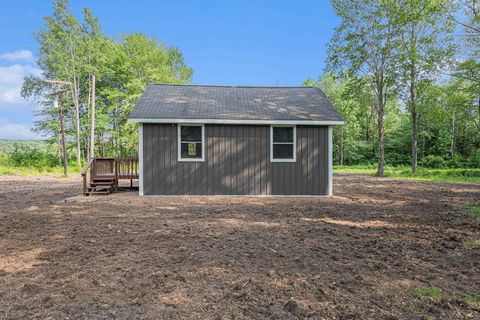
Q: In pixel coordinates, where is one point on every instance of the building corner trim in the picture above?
(330, 161)
(140, 159)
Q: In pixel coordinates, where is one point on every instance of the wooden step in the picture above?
(99, 190)
(94, 192)
(101, 184)
(103, 180)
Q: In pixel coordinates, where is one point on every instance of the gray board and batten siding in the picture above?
(237, 162)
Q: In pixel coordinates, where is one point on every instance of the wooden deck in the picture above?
(101, 175)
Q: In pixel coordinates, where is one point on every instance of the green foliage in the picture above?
(7, 145)
(432, 161)
(456, 175)
(364, 47)
(447, 125)
(72, 50)
(26, 156)
(34, 171)
(427, 292)
(473, 208)
(474, 159)
(19, 157)
(389, 56)
(472, 245)
(473, 299)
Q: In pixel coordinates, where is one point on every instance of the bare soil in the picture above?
(358, 255)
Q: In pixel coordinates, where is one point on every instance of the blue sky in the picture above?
(225, 42)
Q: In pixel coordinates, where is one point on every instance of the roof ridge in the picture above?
(224, 86)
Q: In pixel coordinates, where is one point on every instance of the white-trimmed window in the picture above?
(191, 142)
(283, 143)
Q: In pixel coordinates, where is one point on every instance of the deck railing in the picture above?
(126, 167)
(115, 168)
(87, 171)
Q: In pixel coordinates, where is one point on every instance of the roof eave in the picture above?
(240, 121)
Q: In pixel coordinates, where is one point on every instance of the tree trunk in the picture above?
(62, 132)
(59, 148)
(413, 95)
(413, 110)
(76, 101)
(414, 141)
(380, 113)
(452, 141)
(341, 147)
(92, 116)
(381, 143)
(77, 115)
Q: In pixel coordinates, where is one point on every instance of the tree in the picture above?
(353, 99)
(106, 76)
(425, 49)
(469, 68)
(136, 62)
(365, 43)
(470, 25)
(60, 57)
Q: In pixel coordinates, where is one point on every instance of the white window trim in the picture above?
(179, 143)
(294, 144)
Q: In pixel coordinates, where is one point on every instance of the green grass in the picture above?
(473, 300)
(427, 292)
(473, 208)
(31, 171)
(470, 245)
(441, 175)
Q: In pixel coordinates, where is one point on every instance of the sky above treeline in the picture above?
(264, 43)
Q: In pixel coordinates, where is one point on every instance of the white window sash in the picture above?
(179, 143)
(294, 144)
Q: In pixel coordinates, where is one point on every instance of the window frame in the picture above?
(179, 143)
(294, 142)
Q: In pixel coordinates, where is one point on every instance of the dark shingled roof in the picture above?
(161, 101)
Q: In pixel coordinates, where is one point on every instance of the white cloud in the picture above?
(16, 113)
(22, 55)
(16, 131)
(11, 80)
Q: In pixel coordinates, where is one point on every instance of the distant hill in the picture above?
(7, 145)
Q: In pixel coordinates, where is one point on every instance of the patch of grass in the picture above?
(473, 300)
(427, 292)
(473, 208)
(364, 295)
(31, 171)
(442, 175)
(470, 245)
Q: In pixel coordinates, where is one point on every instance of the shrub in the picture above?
(456, 161)
(474, 160)
(433, 162)
(24, 156)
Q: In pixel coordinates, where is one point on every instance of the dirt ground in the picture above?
(358, 255)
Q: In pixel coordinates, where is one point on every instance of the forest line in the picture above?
(404, 74)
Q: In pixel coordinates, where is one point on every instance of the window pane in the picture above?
(282, 134)
(191, 150)
(193, 133)
(283, 151)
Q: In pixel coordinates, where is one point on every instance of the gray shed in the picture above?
(219, 140)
